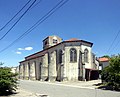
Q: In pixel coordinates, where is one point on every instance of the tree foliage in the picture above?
(111, 73)
(106, 56)
(8, 82)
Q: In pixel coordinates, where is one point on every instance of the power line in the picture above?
(15, 15)
(116, 45)
(113, 41)
(36, 4)
(40, 21)
(18, 20)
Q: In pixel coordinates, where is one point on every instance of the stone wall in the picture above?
(48, 67)
(89, 63)
(52, 67)
(44, 67)
(38, 67)
(71, 68)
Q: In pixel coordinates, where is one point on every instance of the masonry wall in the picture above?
(47, 66)
(38, 67)
(26, 76)
(71, 68)
(55, 68)
(44, 67)
(89, 63)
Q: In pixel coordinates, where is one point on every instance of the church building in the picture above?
(70, 60)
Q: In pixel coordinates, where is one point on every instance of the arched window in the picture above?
(23, 71)
(60, 56)
(73, 55)
(48, 58)
(86, 55)
(29, 70)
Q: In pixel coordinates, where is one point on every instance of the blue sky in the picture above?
(97, 21)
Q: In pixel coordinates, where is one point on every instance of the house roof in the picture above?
(104, 59)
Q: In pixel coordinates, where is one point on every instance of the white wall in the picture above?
(89, 63)
(71, 67)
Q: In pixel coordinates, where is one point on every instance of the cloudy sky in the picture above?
(20, 50)
(96, 21)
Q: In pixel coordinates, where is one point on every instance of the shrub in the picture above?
(111, 74)
(8, 81)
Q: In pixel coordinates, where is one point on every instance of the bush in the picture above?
(111, 74)
(8, 82)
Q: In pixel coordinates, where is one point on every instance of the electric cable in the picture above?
(9, 22)
(41, 20)
(18, 20)
(113, 41)
(15, 15)
(116, 45)
(36, 4)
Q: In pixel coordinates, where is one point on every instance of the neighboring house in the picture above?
(13, 69)
(103, 62)
(69, 60)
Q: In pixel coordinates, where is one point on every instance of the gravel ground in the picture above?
(25, 93)
(85, 89)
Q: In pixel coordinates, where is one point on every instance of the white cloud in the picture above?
(18, 53)
(20, 49)
(28, 48)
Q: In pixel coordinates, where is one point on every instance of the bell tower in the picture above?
(51, 41)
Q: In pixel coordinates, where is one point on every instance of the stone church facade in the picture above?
(70, 60)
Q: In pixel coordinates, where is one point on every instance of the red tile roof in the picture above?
(40, 53)
(72, 39)
(103, 59)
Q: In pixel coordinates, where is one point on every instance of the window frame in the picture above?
(86, 56)
(73, 55)
(55, 41)
(60, 56)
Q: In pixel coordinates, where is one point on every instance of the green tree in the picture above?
(106, 56)
(8, 81)
(111, 74)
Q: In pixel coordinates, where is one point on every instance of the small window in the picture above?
(60, 56)
(86, 55)
(73, 55)
(23, 68)
(54, 41)
(48, 58)
(93, 58)
(29, 69)
(100, 64)
(40, 63)
(46, 42)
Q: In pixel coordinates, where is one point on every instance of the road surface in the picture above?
(59, 90)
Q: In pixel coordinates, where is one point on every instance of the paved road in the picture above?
(58, 90)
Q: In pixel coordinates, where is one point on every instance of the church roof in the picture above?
(73, 39)
(41, 53)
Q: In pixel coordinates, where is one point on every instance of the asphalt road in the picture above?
(55, 90)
